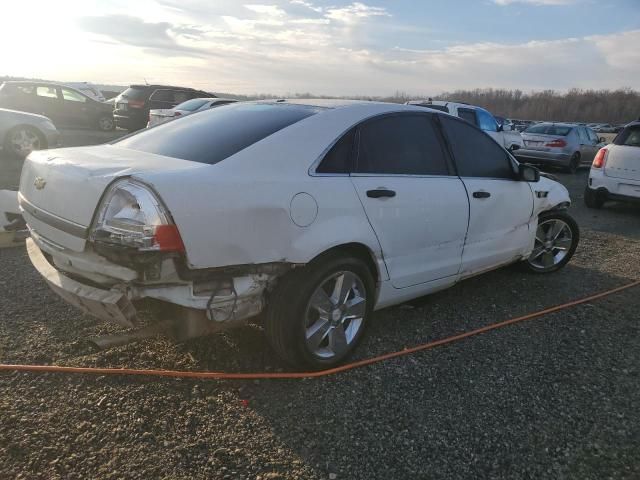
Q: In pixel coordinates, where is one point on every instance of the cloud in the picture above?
(270, 10)
(355, 12)
(136, 32)
(536, 2)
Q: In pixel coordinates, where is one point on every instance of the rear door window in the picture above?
(582, 134)
(338, 159)
(468, 115)
(405, 144)
(47, 92)
(592, 135)
(217, 133)
(476, 154)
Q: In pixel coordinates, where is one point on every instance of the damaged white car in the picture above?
(314, 213)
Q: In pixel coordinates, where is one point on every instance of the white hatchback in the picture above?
(615, 172)
(312, 213)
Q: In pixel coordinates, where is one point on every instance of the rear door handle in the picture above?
(380, 193)
(481, 194)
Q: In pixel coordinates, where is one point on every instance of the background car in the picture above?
(21, 133)
(615, 172)
(563, 145)
(266, 206)
(89, 89)
(604, 128)
(64, 105)
(477, 116)
(132, 106)
(161, 115)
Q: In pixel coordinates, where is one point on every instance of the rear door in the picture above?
(500, 206)
(48, 102)
(416, 206)
(588, 146)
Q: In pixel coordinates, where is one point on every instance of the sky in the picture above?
(335, 47)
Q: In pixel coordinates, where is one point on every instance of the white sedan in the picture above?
(314, 213)
(162, 115)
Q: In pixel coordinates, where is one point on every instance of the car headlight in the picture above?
(131, 215)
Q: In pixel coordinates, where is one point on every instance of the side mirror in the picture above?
(514, 147)
(500, 127)
(528, 173)
(602, 140)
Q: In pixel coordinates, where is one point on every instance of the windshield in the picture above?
(191, 105)
(213, 135)
(549, 129)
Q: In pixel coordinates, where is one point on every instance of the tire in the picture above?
(291, 315)
(592, 199)
(547, 255)
(20, 141)
(106, 123)
(574, 164)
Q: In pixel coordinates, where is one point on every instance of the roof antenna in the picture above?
(145, 81)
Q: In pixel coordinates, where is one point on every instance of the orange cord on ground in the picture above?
(323, 373)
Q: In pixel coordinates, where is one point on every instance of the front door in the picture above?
(417, 208)
(500, 206)
(76, 108)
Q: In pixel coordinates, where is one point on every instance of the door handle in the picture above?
(380, 193)
(481, 194)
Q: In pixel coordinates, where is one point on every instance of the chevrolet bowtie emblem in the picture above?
(39, 183)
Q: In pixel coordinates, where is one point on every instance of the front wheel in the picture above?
(557, 238)
(592, 198)
(22, 140)
(317, 314)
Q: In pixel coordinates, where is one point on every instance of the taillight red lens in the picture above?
(600, 158)
(136, 103)
(168, 239)
(557, 143)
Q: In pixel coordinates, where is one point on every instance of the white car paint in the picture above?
(620, 177)
(8, 204)
(265, 207)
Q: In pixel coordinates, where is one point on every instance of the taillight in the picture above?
(136, 103)
(600, 159)
(168, 239)
(557, 143)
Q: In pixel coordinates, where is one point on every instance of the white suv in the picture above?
(315, 212)
(615, 172)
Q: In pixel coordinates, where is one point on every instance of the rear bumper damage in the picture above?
(223, 302)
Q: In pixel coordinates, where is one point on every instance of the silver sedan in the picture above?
(21, 133)
(564, 145)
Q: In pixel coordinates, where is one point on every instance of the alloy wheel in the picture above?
(553, 241)
(335, 315)
(23, 141)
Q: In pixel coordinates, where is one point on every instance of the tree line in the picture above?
(576, 105)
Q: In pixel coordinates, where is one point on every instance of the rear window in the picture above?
(630, 137)
(216, 134)
(549, 129)
(135, 93)
(191, 105)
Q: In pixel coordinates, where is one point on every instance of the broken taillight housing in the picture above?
(600, 158)
(131, 215)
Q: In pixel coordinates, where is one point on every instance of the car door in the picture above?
(48, 103)
(500, 207)
(594, 141)
(417, 207)
(77, 108)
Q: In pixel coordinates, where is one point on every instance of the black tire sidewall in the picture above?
(592, 199)
(575, 233)
(299, 290)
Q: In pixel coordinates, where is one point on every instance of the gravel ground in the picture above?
(556, 397)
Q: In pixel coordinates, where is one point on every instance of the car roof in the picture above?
(164, 86)
(322, 102)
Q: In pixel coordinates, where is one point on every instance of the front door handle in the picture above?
(481, 194)
(380, 193)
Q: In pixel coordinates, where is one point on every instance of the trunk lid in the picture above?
(623, 161)
(66, 185)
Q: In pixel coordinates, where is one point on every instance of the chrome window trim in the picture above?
(52, 220)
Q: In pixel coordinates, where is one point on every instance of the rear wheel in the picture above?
(557, 238)
(574, 163)
(106, 123)
(592, 199)
(317, 315)
(22, 140)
